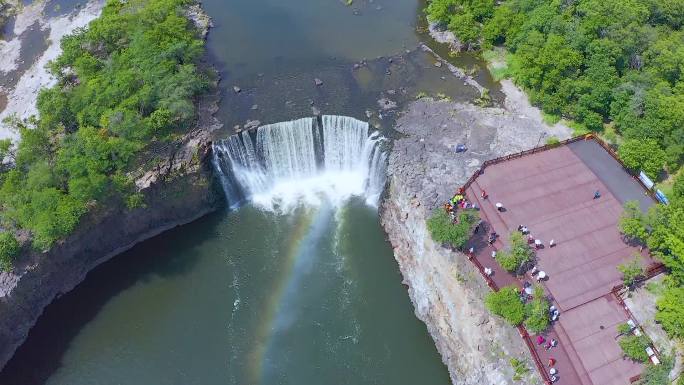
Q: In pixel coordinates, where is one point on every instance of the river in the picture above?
(260, 295)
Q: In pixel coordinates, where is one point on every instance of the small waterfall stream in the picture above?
(281, 164)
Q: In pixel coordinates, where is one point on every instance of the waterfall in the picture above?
(279, 165)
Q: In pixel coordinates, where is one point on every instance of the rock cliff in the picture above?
(446, 289)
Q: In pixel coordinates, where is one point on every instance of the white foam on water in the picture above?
(289, 164)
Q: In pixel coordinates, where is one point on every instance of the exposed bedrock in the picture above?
(446, 289)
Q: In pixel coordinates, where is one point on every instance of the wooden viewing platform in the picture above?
(550, 190)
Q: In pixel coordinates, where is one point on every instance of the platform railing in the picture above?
(652, 271)
(550, 146)
(524, 334)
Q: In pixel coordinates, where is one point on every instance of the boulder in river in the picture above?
(252, 124)
(387, 104)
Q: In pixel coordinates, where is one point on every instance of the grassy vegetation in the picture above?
(552, 140)
(443, 230)
(9, 248)
(520, 369)
(126, 81)
(497, 60)
(550, 119)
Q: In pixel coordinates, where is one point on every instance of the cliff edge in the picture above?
(446, 289)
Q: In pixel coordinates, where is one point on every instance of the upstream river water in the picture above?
(310, 295)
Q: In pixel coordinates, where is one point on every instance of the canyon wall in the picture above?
(446, 289)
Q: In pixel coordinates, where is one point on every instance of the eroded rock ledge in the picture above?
(446, 289)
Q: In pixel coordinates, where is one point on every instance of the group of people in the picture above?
(458, 201)
(548, 345)
(538, 244)
(554, 313)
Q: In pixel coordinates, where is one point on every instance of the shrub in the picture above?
(634, 347)
(624, 329)
(631, 271)
(658, 374)
(537, 312)
(506, 303)
(443, 230)
(518, 255)
(552, 141)
(9, 248)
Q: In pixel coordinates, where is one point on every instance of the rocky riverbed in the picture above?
(445, 288)
(24, 54)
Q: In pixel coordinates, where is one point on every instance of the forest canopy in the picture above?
(127, 80)
(615, 64)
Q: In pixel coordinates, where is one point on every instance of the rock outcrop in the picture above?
(446, 289)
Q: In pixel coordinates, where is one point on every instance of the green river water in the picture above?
(312, 296)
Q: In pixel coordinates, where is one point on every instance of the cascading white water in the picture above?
(283, 164)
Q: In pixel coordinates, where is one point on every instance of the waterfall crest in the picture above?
(281, 165)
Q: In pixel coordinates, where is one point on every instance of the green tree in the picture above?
(517, 256)
(670, 312)
(506, 303)
(537, 312)
(124, 83)
(658, 374)
(678, 186)
(6, 152)
(439, 11)
(9, 249)
(443, 230)
(634, 347)
(465, 27)
(643, 155)
(631, 271)
(631, 222)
